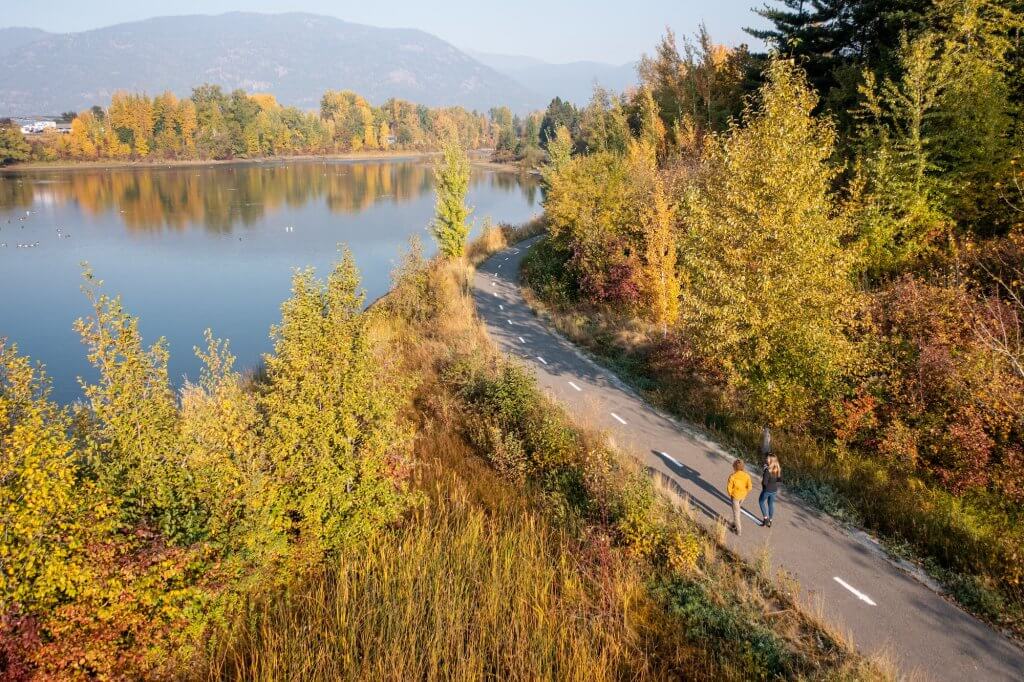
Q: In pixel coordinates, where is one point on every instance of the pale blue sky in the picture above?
(554, 30)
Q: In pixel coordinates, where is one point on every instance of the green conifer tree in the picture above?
(452, 177)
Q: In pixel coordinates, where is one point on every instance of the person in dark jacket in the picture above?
(771, 477)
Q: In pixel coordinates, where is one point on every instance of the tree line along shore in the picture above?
(212, 125)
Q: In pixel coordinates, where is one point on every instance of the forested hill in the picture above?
(295, 56)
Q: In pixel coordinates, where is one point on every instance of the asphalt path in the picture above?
(845, 574)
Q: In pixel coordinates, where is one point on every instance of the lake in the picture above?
(213, 246)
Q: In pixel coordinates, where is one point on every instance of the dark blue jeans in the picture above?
(767, 503)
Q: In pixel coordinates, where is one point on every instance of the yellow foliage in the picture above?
(266, 101)
(48, 514)
(768, 291)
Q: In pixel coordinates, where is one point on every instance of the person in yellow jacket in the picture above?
(738, 487)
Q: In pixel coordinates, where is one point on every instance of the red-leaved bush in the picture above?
(939, 402)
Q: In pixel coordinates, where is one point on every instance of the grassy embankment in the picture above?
(535, 552)
(968, 545)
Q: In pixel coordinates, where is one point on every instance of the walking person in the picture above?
(771, 477)
(738, 487)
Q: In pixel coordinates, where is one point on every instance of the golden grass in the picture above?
(475, 585)
(496, 238)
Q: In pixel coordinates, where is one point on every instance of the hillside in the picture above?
(295, 56)
(17, 36)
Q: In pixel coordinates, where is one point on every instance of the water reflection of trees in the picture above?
(219, 198)
(15, 193)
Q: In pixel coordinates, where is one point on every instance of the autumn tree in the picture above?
(332, 432)
(696, 91)
(559, 151)
(12, 145)
(766, 282)
(660, 238)
(604, 126)
(591, 218)
(451, 177)
(133, 421)
(351, 119)
(48, 512)
(131, 117)
(86, 138)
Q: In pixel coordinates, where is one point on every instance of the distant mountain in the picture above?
(294, 56)
(16, 36)
(505, 62)
(573, 81)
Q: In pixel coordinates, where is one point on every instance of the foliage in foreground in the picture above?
(134, 521)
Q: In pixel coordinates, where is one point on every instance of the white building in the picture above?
(37, 127)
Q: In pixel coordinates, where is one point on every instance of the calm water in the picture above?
(197, 247)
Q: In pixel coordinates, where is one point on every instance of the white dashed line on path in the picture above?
(759, 521)
(575, 386)
(669, 457)
(522, 340)
(618, 418)
(509, 321)
(857, 593)
(501, 307)
(494, 284)
(542, 359)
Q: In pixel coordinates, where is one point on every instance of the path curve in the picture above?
(856, 586)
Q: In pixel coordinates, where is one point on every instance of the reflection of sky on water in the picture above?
(190, 248)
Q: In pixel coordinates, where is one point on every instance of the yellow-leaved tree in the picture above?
(656, 218)
(767, 286)
(47, 513)
(332, 435)
(131, 426)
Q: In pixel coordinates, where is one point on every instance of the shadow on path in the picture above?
(693, 476)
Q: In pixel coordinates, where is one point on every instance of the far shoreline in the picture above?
(111, 164)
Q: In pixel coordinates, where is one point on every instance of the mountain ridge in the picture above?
(294, 55)
(572, 81)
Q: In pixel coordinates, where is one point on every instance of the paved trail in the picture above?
(861, 591)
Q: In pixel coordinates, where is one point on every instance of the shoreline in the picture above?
(111, 164)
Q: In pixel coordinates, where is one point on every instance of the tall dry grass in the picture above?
(498, 237)
(475, 585)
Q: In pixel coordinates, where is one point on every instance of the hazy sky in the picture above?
(555, 30)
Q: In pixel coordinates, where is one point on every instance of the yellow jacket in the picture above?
(739, 485)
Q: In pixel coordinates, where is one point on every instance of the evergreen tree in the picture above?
(559, 113)
(451, 175)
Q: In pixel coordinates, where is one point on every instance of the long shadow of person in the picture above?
(693, 476)
(670, 484)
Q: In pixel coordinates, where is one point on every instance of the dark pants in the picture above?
(767, 503)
